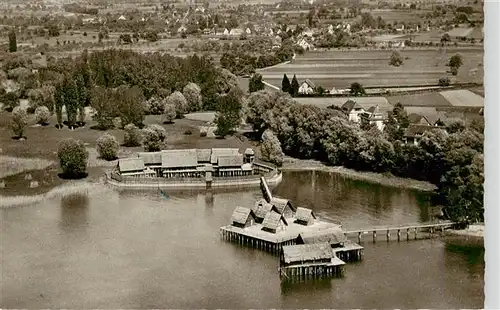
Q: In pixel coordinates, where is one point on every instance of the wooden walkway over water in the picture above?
(408, 230)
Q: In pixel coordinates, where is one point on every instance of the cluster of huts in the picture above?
(307, 246)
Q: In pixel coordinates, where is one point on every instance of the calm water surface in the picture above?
(138, 250)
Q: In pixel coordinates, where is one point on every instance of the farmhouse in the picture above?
(304, 44)
(353, 110)
(189, 163)
(418, 119)
(374, 116)
(307, 87)
(414, 133)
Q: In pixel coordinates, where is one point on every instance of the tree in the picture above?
(255, 83)
(154, 106)
(396, 59)
(154, 137)
(107, 147)
(270, 148)
(357, 89)
(444, 81)
(455, 63)
(294, 86)
(101, 102)
(178, 100)
(132, 136)
(72, 158)
(12, 42)
(42, 115)
(129, 101)
(19, 121)
(228, 112)
(168, 112)
(285, 85)
(445, 38)
(59, 103)
(70, 99)
(192, 93)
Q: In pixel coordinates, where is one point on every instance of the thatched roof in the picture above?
(263, 209)
(272, 220)
(307, 252)
(204, 155)
(222, 152)
(280, 204)
(241, 214)
(304, 214)
(330, 236)
(151, 158)
(130, 164)
(179, 158)
(230, 160)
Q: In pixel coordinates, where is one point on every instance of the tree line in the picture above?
(452, 159)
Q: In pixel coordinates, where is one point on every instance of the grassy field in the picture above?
(365, 102)
(449, 98)
(38, 153)
(371, 68)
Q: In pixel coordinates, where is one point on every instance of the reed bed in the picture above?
(65, 190)
(10, 165)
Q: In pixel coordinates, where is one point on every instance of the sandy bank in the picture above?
(372, 177)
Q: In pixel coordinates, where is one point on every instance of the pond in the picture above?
(139, 250)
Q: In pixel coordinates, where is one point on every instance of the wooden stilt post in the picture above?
(359, 237)
(374, 236)
(399, 234)
(416, 231)
(388, 235)
(407, 234)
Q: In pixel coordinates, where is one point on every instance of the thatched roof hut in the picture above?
(307, 253)
(304, 216)
(242, 217)
(273, 222)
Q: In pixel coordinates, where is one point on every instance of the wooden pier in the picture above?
(408, 232)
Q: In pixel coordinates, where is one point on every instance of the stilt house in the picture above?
(304, 216)
(242, 217)
(334, 237)
(274, 222)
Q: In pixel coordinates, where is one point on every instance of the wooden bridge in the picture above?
(407, 230)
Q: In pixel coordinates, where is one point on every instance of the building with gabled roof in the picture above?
(414, 132)
(307, 253)
(307, 87)
(284, 206)
(373, 116)
(131, 166)
(335, 237)
(304, 216)
(353, 110)
(242, 217)
(274, 222)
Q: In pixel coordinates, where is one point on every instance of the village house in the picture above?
(242, 217)
(307, 87)
(304, 44)
(374, 116)
(418, 119)
(413, 134)
(353, 110)
(181, 29)
(236, 32)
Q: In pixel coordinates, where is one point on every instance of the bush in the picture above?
(132, 136)
(444, 81)
(107, 147)
(169, 113)
(396, 59)
(152, 140)
(42, 115)
(162, 133)
(72, 157)
(19, 121)
(188, 132)
(270, 148)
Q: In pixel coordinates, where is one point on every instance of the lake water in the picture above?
(138, 250)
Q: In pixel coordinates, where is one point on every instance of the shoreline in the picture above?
(370, 177)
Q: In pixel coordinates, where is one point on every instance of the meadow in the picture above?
(371, 68)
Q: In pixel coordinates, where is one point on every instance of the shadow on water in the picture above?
(74, 211)
(473, 254)
(289, 288)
